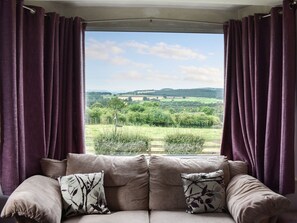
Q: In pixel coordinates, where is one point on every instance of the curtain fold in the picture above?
(42, 93)
(12, 120)
(33, 89)
(259, 95)
(51, 83)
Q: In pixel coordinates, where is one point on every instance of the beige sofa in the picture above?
(142, 190)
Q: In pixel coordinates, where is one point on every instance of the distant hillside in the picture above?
(194, 92)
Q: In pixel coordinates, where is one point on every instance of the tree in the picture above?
(136, 108)
(207, 110)
(116, 105)
(97, 105)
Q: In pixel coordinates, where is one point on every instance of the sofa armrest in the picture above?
(37, 199)
(3, 200)
(250, 201)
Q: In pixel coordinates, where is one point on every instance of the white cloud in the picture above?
(176, 52)
(210, 75)
(146, 75)
(129, 75)
(119, 61)
(164, 50)
(125, 61)
(141, 47)
(111, 52)
(102, 50)
(157, 76)
(197, 76)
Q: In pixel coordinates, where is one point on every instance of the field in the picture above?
(157, 114)
(212, 136)
(200, 100)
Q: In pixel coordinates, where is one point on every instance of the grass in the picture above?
(212, 136)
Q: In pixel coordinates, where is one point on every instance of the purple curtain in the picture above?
(260, 95)
(64, 85)
(12, 112)
(42, 90)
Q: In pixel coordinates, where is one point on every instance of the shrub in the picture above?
(195, 120)
(106, 118)
(158, 117)
(111, 143)
(136, 108)
(136, 118)
(183, 144)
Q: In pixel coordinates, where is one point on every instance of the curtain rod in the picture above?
(151, 20)
(292, 4)
(268, 15)
(32, 11)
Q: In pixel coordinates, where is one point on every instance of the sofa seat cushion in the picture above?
(183, 217)
(120, 217)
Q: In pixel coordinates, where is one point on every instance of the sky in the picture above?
(128, 61)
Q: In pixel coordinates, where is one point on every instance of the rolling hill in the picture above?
(194, 92)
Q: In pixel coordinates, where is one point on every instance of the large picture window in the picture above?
(154, 93)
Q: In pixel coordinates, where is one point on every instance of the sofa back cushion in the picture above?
(53, 168)
(166, 190)
(125, 182)
(237, 167)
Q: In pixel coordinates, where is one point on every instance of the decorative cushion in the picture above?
(248, 199)
(204, 192)
(83, 194)
(126, 179)
(53, 168)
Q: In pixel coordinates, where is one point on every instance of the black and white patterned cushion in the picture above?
(83, 194)
(204, 192)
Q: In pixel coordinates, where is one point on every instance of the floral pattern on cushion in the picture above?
(204, 192)
(83, 194)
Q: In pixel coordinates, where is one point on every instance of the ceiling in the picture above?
(157, 15)
(201, 4)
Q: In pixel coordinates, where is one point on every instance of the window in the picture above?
(154, 93)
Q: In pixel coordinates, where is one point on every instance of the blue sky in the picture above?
(126, 61)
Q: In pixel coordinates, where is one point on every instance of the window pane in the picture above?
(154, 93)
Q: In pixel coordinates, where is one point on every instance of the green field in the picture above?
(212, 136)
(157, 114)
(193, 99)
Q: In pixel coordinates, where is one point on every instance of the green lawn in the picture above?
(212, 136)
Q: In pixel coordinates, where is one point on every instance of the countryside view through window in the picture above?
(154, 93)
